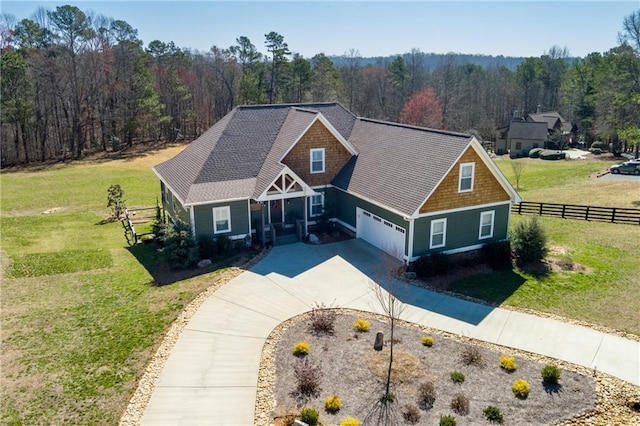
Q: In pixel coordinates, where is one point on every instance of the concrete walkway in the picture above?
(211, 375)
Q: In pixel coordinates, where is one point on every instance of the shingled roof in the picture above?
(239, 157)
(228, 160)
(528, 130)
(398, 165)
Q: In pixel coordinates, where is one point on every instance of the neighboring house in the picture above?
(556, 125)
(524, 136)
(409, 191)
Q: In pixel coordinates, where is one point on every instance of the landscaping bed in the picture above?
(355, 372)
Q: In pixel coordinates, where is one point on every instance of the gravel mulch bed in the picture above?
(354, 371)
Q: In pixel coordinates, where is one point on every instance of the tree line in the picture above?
(73, 83)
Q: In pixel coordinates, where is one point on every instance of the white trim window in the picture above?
(317, 160)
(486, 225)
(221, 220)
(438, 235)
(467, 172)
(317, 205)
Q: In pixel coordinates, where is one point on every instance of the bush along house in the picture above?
(271, 173)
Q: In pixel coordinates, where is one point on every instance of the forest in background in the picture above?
(73, 83)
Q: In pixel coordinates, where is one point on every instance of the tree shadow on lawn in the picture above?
(494, 287)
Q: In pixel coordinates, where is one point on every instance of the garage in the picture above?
(380, 233)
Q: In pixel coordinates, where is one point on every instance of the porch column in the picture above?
(262, 230)
(306, 215)
(282, 201)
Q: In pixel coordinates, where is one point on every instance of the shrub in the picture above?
(520, 388)
(349, 421)
(301, 348)
(447, 420)
(309, 416)
(529, 241)
(427, 341)
(493, 414)
(332, 404)
(497, 254)
(508, 363)
(432, 265)
(457, 377)
(598, 145)
(549, 154)
(595, 151)
(471, 355)
(551, 374)
(535, 152)
(426, 395)
(322, 320)
(362, 325)
(223, 244)
(460, 404)
(180, 251)
(206, 248)
(308, 376)
(411, 414)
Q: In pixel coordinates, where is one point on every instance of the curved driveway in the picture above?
(211, 375)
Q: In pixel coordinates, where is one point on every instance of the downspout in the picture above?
(249, 213)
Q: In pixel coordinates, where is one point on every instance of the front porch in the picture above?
(282, 213)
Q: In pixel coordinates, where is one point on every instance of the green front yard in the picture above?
(81, 318)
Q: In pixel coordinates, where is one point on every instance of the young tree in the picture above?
(423, 109)
(115, 200)
(386, 292)
(518, 169)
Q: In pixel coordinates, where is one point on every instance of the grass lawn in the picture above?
(606, 293)
(80, 317)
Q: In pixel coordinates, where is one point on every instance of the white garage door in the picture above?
(385, 235)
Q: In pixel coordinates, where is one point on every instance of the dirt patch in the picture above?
(346, 359)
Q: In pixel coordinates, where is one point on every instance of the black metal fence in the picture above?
(572, 211)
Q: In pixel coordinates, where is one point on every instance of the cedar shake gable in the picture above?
(398, 165)
(486, 188)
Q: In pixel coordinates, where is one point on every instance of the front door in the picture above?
(275, 211)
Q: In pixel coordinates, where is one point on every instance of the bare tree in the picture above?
(517, 168)
(631, 30)
(386, 291)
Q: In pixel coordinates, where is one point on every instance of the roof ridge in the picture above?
(288, 105)
(409, 126)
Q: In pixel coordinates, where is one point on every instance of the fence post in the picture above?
(613, 215)
(564, 206)
(586, 214)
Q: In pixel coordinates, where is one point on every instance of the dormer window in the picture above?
(465, 183)
(317, 160)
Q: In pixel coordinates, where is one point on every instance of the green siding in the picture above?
(293, 209)
(173, 207)
(462, 229)
(203, 216)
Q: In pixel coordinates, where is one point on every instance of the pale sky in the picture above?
(374, 28)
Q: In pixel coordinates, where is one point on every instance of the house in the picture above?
(264, 171)
(556, 125)
(524, 136)
(520, 135)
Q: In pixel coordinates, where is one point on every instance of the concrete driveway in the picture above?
(211, 375)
